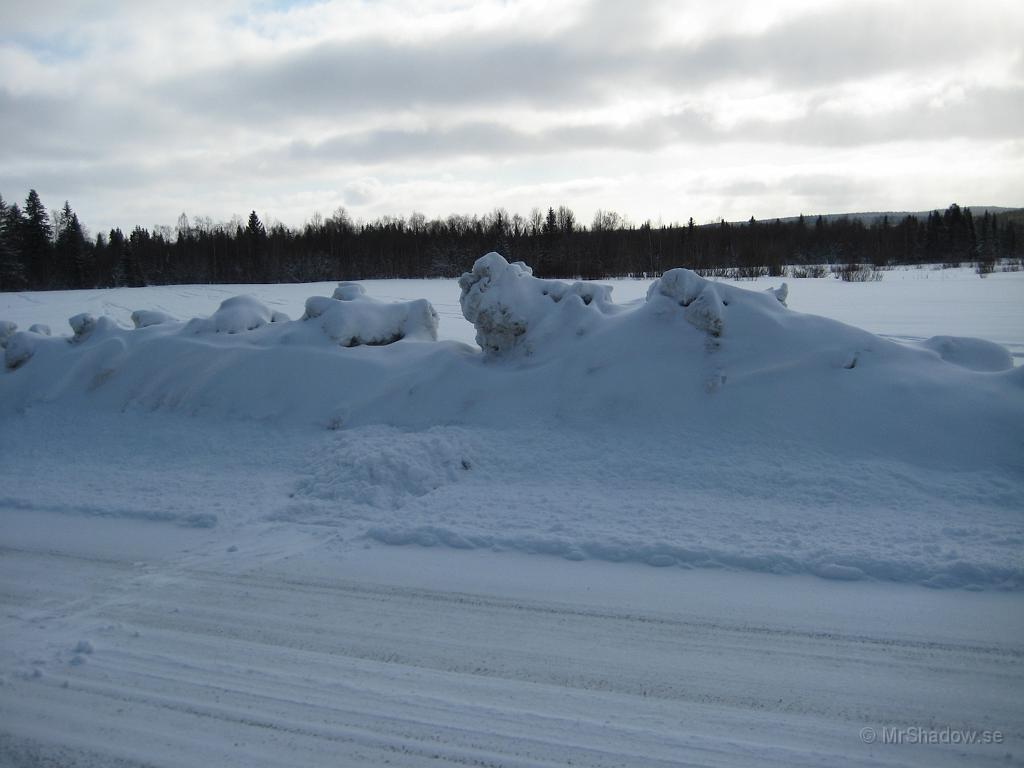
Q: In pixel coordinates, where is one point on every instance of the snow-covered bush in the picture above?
(351, 318)
(40, 328)
(511, 309)
(857, 273)
(816, 271)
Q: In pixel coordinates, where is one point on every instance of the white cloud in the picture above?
(136, 111)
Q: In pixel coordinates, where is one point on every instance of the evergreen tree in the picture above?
(73, 255)
(36, 242)
(254, 228)
(255, 237)
(12, 270)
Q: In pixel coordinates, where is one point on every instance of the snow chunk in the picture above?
(511, 309)
(703, 307)
(235, 315)
(7, 329)
(40, 328)
(681, 285)
(351, 318)
(349, 291)
(973, 354)
(82, 324)
(20, 347)
(143, 318)
(781, 293)
(87, 326)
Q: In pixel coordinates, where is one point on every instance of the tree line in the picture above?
(40, 250)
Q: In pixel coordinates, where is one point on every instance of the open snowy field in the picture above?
(517, 523)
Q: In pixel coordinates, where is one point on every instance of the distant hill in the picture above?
(869, 217)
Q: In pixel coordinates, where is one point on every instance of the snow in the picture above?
(692, 524)
(143, 318)
(387, 656)
(351, 318)
(909, 303)
(513, 311)
(82, 324)
(19, 347)
(738, 426)
(235, 315)
(975, 354)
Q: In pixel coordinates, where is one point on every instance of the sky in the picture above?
(138, 112)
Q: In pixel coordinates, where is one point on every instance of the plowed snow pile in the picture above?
(706, 425)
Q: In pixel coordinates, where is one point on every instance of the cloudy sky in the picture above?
(138, 111)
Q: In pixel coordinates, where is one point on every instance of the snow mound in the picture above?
(704, 303)
(351, 318)
(384, 467)
(143, 318)
(514, 311)
(235, 315)
(19, 348)
(21, 345)
(973, 354)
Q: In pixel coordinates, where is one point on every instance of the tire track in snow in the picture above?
(271, 668)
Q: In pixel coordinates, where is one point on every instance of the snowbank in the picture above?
(861, 457)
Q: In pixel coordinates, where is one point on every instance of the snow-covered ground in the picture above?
(248, 540)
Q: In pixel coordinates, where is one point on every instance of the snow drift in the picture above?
(704, 424)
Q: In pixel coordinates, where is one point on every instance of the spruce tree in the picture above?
(12, 270)
(72, 251)
(37, 242)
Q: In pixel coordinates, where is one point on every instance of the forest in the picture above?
(41, 250)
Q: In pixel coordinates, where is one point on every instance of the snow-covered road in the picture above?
(407, 656)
